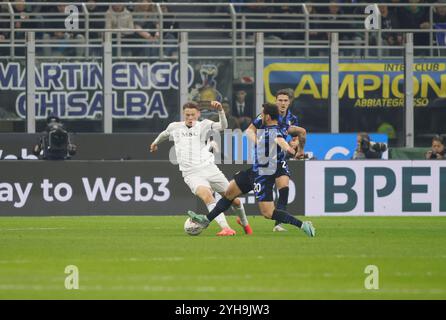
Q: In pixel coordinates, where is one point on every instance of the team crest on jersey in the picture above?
(189, 134)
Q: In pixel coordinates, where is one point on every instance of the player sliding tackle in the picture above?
(261, 177)
(286, 119)
(196, 162)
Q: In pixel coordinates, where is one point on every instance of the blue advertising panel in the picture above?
(326, 146)
(323, 146)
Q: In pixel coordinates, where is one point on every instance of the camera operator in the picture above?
(54, 142)
(437, 151)
(367, 149)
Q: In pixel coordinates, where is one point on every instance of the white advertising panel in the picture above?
(375, 188)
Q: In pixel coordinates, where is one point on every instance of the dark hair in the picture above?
(52, 117)
(271, 110)
(285, 92)
(438, 138)
(364, 136)
(191, 105)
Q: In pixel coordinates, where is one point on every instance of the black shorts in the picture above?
(245, 180)
(264, 184)
(282, 169)
(263, 187)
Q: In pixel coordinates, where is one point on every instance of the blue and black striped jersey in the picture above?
(285, 122)
(265, 138)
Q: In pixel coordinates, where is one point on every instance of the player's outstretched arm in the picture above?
(301, 135)
(284, 145)
(163, 136)
(222, 121)
(251, 133)
(297, 131)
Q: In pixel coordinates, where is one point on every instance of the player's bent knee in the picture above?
(205, 194)
(267, 215)
(208, 199)
(236, 202)
(229, 195)
(232, 191)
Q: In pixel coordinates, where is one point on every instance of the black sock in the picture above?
(282, 202)
(221, 206)
(285, 217)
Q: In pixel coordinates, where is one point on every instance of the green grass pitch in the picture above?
(152, 258)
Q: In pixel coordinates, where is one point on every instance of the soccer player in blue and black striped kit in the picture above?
(285, 121)
(270, 163)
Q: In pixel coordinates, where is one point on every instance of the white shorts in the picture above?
(210, 177)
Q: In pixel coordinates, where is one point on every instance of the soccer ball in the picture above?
(192, 228)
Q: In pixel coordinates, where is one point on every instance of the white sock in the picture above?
(240, 211)
(220, 219)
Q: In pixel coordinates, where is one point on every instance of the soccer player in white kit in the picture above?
(197, 163)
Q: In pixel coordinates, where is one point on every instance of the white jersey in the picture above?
(190, 145)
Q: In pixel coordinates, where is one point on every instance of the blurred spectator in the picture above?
(440, 12)
(191, 17)
(56, 21)
(386, 128)
(254, 7)
(22, 20)
(437, 151)
(97, 19)
(295, 28)
(146, 19)
(169, 35)
(259, 16)
(242, 110)
(118, 17)
(288, 12)
(233, 122)
(389, 22)
(237, 7)
(4, 35)
(316, 37)
(439, 22)
(415, 17)
(7, 115)
(367, 149)
(28, 15)
(36, 14)
(394, 10)
(337, 15)
(35, 6)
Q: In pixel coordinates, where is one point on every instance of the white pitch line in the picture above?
(31, 229)
(148, 259)
(200, 289)
(14, 261)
